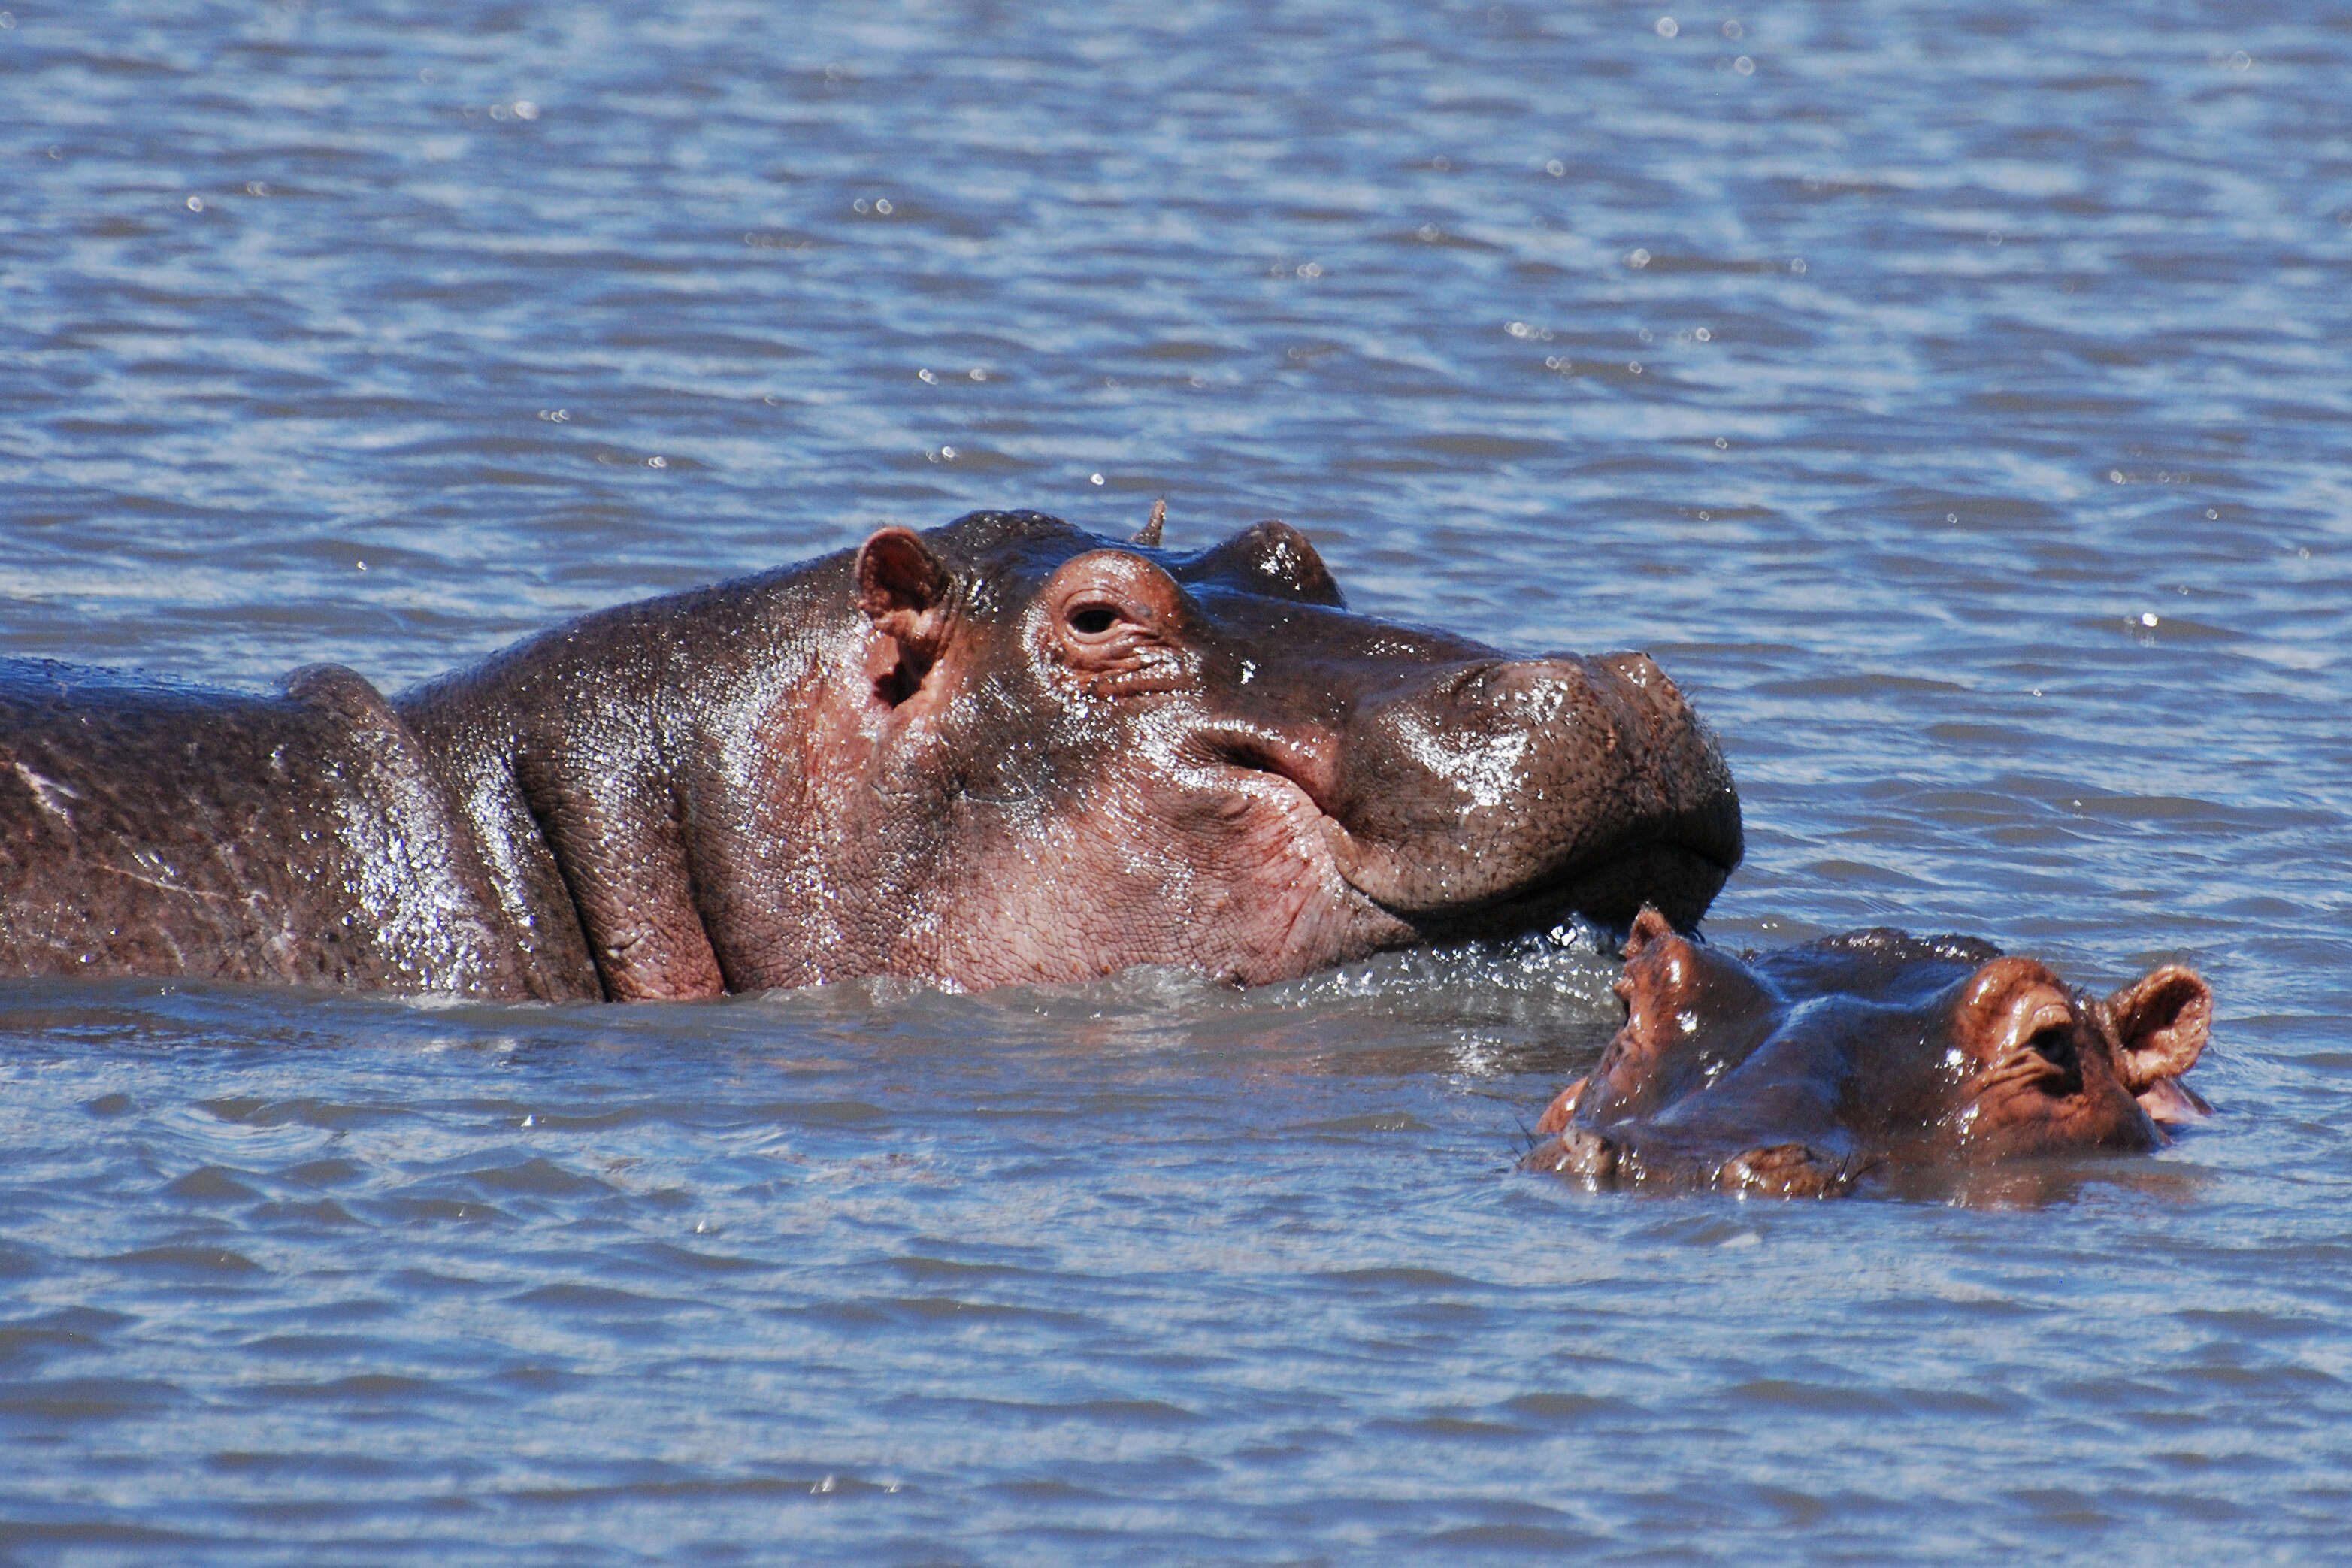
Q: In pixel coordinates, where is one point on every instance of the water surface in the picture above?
(1951, 395)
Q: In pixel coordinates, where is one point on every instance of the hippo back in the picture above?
(149, 827)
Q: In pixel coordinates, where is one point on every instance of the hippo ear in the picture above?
(1649, 926)
(905, 590)
(2161, 1022)
(1269, 557)
(1148, 535)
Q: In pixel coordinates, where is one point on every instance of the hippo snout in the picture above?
(1583, 784)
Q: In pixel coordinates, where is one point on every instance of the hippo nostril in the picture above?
(1641, 670)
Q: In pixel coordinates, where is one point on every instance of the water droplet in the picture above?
(1721, 445)
(1703, 335)
(883, 207)
(1668, 27)
(657, 461)
(927, 377)
(1734, 30)
(525, 109)
(1797, 264)
(948, 453)
(255, 188)
(1744, 66)
(1094, 478)
(1634, 365)
(2149, 618)
(976, 373)
(361, 565)
(1637, 258)
(1516, 329)
(1951, 517)
(2211, 515)
(1554, 168)
(861, 205)
(1311, 270)
(2116, 475)
(1429, 231)
(195, 204)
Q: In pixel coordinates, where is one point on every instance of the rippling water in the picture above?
(1953, 396)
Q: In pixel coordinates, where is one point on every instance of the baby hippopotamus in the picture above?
(1803, 1072)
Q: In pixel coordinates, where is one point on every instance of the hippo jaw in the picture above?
(1677, 867)
(1503, 795)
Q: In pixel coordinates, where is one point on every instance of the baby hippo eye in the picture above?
(2054, 1045)
(1093, 620)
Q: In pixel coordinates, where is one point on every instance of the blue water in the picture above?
(1953, 397)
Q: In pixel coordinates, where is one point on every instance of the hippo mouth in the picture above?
(1677, 859)
(1679, 872)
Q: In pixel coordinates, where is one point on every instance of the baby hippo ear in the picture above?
(2162, 1023)
(904, 589)
(1648, 927)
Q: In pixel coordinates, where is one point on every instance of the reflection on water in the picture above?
(1949, 396)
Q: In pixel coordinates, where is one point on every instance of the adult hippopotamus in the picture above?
(1004, 750)
(1805, 1072)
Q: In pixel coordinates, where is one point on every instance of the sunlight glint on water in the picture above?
(1982, 480)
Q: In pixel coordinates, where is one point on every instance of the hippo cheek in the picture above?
(1224, 870)
(2021, 1122)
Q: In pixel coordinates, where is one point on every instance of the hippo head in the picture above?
(1798, 1073)
(1063, 755)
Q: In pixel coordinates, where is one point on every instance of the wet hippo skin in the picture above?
(1866, 1057)
(1000, 750)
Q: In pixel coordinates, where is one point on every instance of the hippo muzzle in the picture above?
(1505, 788)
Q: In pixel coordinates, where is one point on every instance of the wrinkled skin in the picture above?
(1003, 751)
(1807, 1072)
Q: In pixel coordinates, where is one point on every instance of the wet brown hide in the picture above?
(1006, 749)
(1808, 1071)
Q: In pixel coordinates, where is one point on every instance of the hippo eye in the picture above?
(1094, 619)
(2054, 1045)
